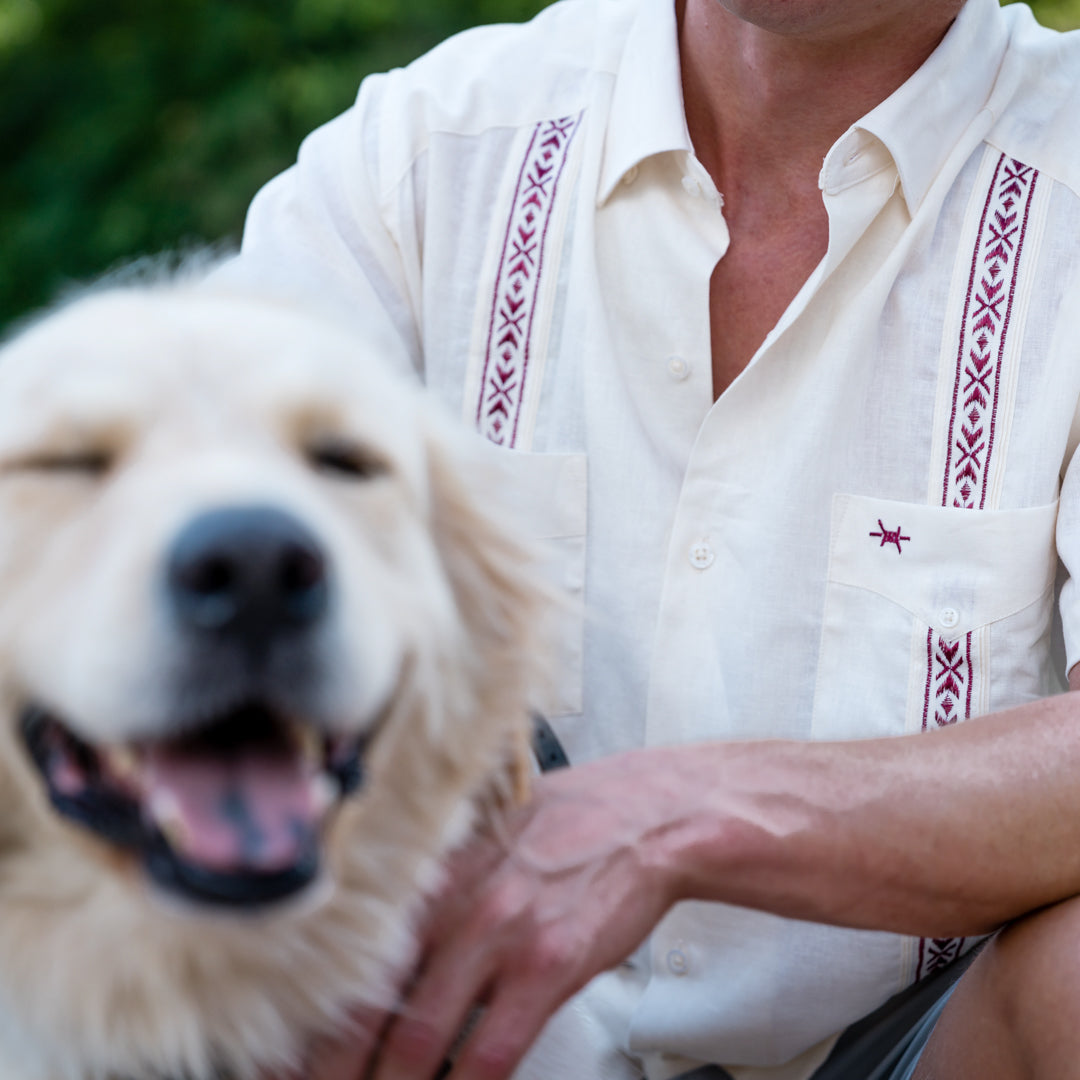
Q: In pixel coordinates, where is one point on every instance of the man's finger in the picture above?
(503, 1034)
(422, 1034)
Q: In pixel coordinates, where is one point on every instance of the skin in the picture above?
(1016, 1013)
(907, 834)
(953, 833)
(769, 86)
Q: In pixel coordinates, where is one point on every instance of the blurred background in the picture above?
(131, 126)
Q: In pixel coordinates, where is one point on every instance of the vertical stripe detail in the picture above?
(984, 329)
(517, 283)
(995, 266)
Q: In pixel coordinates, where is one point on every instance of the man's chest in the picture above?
(767, 262)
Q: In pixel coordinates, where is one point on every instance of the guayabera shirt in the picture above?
(858, 538)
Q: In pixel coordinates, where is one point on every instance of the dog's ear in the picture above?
(504, 599)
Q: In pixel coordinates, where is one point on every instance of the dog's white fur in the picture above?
(200, 399)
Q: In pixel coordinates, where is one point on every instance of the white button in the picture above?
(677, 962)
(677, 367)
(692, 186)
(949, 617)
(701, 555)
(630, 175)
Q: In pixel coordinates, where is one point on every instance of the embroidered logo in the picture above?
(890, 536)
(517, 283)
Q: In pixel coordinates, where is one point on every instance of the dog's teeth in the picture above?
(123, 762)
(165, 810)
(311, 745)
(325, 791)
(174, 832)
(166, 814)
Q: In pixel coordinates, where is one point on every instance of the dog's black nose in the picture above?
(253, 573)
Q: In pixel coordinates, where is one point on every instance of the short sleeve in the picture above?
(1068, 546)
(321, 234)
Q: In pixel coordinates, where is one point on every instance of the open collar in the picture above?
(647, 115)
(919, 124)
(922, 121)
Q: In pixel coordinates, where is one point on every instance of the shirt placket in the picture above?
(856, 180)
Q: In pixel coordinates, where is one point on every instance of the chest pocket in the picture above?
(549, 495)
(932, 615)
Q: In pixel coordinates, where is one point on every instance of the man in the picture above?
(808, 342)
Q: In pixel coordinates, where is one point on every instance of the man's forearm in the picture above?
(945, 834)
(949, 833)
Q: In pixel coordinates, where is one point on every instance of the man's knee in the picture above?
(1015, 1015)
(1034, 966)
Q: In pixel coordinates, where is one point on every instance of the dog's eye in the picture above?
(79, 462)
(345, 459)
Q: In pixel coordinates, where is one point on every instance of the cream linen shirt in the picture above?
(857, 539)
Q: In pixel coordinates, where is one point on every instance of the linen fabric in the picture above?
(858, 538)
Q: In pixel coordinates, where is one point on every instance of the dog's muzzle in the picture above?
(228, 805)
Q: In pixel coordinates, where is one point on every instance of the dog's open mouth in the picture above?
(230, 813)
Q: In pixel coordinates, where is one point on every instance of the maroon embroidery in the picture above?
(890, 536)
(517, 282)
(983, 331)
(948, 680)
(995, 267)
(936, 953)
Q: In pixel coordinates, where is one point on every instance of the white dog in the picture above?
(262, 647)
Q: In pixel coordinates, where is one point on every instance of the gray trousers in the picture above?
(872, 1048)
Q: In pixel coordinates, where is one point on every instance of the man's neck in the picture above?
(765, 100)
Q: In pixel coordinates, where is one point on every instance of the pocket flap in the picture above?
(954, 569)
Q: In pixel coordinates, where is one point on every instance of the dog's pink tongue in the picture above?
(254, 811)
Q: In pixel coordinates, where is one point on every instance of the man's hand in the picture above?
(532, 909)
(950, 833)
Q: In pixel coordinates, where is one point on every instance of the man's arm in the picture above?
(945, 834)
(950, 833)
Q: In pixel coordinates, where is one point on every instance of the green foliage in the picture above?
(135, 125)
(1060, 14)
(131, 126)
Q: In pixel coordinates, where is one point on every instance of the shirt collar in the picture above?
(919, 124)
(923, 120)
(647, 115)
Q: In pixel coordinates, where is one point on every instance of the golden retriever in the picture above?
(263, 645)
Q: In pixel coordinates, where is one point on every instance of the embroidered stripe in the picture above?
(517, 283)
(948, 680)
(988, 305)
(936, 953)
(983, 333)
